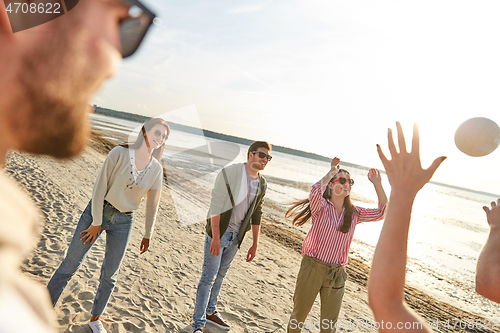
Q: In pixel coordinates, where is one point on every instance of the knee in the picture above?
(67, 268)
(109, 278)
(221, 274)
(207, 279)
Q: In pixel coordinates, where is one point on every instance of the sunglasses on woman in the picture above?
(262, 155)
(134, 28)
(163, 137)
(342, 180)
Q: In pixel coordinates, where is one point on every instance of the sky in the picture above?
(327, 77)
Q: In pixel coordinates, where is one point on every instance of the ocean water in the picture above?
(448, 225)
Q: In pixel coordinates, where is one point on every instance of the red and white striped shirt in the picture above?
(324, 241)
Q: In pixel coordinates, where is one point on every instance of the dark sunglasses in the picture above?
(134, 28)
(342, 180)
(163, 137)
(262, 155)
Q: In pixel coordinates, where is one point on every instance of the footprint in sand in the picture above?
(55, 246)
(85, 295)
(87, 305)
(137, 325)
(77, 307)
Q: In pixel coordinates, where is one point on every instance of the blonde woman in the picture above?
(130, 172)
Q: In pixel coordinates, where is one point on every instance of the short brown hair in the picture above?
(258, 144)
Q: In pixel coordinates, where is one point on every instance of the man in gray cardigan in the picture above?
(235, 208)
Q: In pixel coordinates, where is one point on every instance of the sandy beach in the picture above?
(155, 291)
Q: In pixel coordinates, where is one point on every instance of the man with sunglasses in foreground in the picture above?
(49, 72)
(235, 208)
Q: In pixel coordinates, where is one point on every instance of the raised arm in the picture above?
(387, 275)
(488, 263)
(334, 169)
(374, 177)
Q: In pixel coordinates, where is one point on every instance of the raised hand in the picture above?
(488, 263)
(404, 169)
(334, 169)
(335, 163)
(493, 214)
(374, 176)
(387, 275)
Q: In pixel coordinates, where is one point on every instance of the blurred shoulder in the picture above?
(233, 170)
(119, 150)
(234, 167)
(156, 165)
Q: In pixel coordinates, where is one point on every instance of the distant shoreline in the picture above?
(214, 135)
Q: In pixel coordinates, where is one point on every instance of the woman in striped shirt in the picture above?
(326, 246)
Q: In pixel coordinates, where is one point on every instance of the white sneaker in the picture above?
(96, 327)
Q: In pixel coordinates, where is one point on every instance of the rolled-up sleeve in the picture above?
(371, 214)
(316, 200)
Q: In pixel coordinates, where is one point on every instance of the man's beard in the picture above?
(53, 119)
(53, 128)
(256, 166)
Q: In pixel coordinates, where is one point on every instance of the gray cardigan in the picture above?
(221, 203)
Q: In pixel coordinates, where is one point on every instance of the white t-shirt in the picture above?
(248, 191)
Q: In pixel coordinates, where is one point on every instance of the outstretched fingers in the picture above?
(401, 138)
(382, 157)
(404, 169)
(415, 142)
(390, 142)
(492, 214)
(435, 164)
(487, 209)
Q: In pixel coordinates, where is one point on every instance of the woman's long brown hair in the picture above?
(148, 125)
(301, 210)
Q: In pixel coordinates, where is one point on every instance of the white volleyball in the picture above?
(477, 136)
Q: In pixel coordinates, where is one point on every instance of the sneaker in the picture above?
(96, 327)
(217, 320)
(198, 330)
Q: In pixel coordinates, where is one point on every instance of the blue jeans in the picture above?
(118, 227)
(214, 271)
